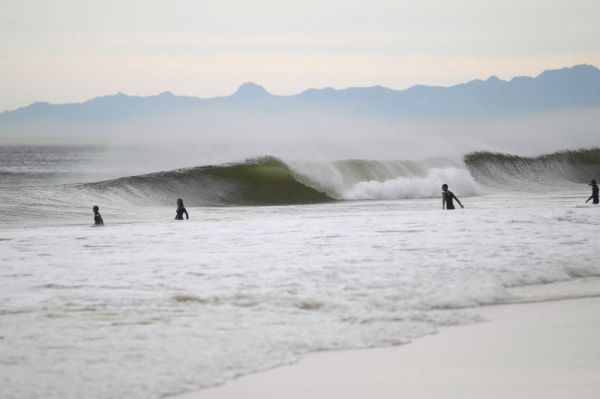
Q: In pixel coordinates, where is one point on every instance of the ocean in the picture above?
(280, 257)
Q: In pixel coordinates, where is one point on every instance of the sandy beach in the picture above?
(533, 350)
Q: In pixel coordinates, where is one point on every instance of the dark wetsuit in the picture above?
(448, 198)
(98, 219)
(180, 211)
(594, 196)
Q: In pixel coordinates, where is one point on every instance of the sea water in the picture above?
(147, 306)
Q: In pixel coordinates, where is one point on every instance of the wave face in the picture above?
(261, 181)
(493, 169)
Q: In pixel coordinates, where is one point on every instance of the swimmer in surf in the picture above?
(594, 196)
(97, 217)
(180, 210)
(448, 197)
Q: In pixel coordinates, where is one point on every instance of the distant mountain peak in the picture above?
(584, 67)
(250, 89)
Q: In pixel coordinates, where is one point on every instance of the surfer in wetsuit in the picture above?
(97, 217)
(180, 210)
(594, 195)
(448, 197)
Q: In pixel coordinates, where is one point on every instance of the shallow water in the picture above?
(146, 309)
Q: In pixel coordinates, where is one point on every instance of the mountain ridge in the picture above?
(250, 89)
(576, 87)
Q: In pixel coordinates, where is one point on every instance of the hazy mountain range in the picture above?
(571, 88)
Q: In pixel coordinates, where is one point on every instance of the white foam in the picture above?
(428, 186)
(145, 309)
(373, 180)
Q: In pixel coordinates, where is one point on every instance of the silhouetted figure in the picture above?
(448, 197)
(97, 217)
(594, 195)
(180, 210)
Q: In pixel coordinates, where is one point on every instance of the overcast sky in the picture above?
(72, 50)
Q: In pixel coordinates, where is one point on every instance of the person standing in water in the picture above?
(97, 217)
(181, 210)
(594, 195)
(448, 197)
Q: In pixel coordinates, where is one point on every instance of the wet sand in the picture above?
(534, 350)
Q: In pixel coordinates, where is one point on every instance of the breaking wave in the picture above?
(272, 181)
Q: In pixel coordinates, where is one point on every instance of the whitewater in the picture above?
(279, 258)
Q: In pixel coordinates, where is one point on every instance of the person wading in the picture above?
(97, 217)
(448, 197)
(180, 210)
(594, 196)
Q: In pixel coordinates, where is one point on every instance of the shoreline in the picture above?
(544, 350)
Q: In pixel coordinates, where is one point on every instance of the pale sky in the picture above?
(72, 50)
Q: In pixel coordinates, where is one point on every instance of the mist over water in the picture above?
(310, 136)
